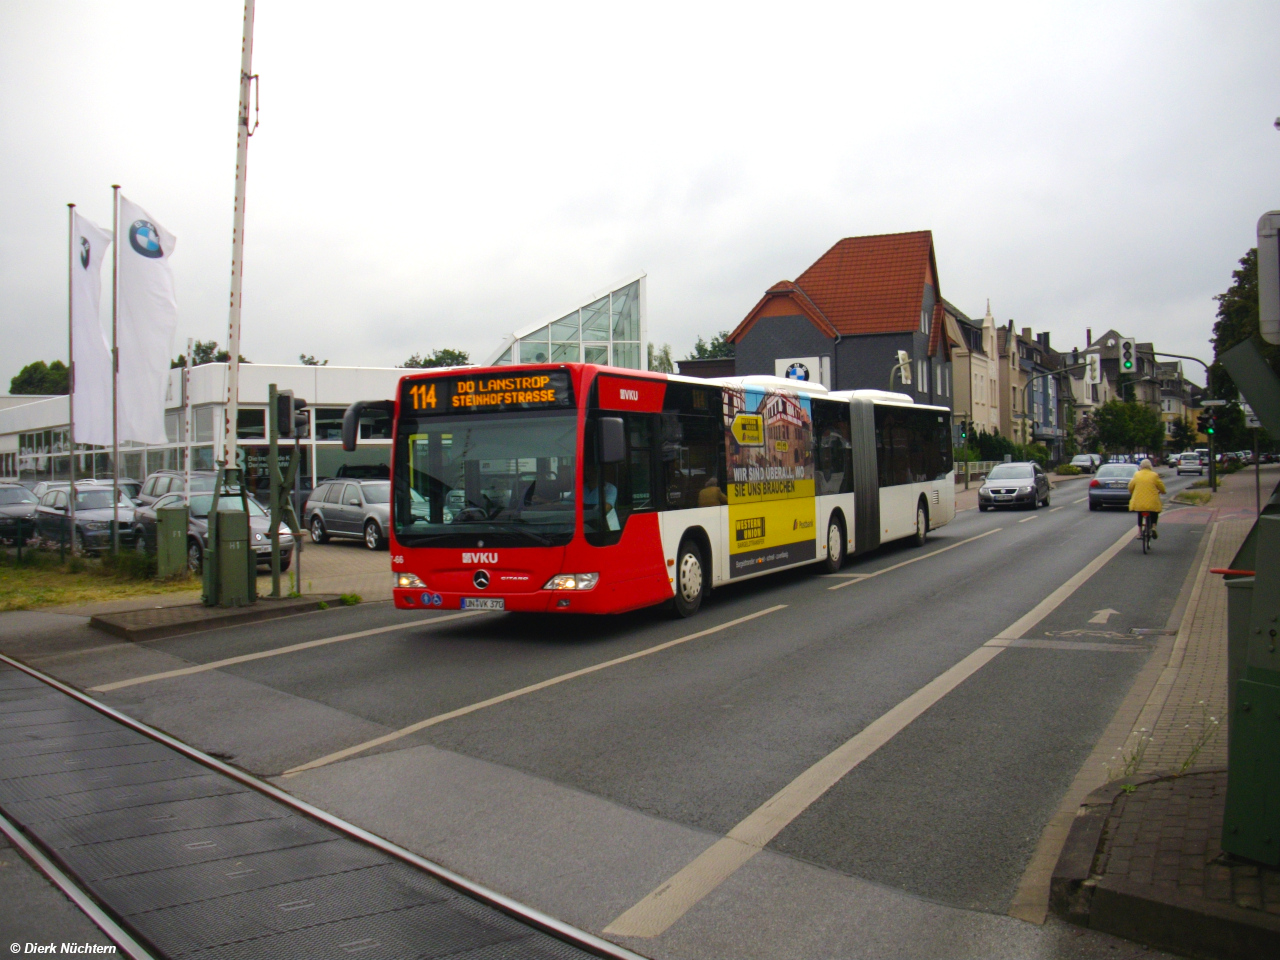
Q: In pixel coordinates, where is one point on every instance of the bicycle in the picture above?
(1144, 529)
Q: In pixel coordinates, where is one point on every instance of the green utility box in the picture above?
(1251, 826)
(171, 541)
(237, 582)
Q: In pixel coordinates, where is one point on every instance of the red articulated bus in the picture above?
(575, 488)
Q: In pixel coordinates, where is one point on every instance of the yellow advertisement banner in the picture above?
(770, 523)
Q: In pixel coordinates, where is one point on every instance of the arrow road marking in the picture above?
(1102, 616)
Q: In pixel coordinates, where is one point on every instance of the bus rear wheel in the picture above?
(922, 525)
(835, 546)
(690, 579)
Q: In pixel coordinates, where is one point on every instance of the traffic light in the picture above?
(291, 417)
(1128, 354)
(1213, 418)
(964, 432)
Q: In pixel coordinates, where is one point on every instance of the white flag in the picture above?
(90, 342)
(148, 316)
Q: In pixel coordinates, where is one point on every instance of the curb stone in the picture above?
(1157, 917)
(156, 623)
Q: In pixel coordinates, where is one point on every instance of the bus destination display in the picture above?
(488, 392)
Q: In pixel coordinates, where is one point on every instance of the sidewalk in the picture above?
(1143, 859)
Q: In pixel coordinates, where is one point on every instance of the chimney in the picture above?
(1043, 338)
(1026, 334)
(1088, 337)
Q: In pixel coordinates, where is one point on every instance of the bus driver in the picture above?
(591, 494)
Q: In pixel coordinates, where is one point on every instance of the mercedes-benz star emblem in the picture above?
(481, 579)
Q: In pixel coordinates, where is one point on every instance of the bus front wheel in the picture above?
(690, 579)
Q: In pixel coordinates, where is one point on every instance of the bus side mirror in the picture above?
(613, 440)
(351, 419)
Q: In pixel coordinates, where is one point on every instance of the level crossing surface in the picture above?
(579, 764)
(194, 863)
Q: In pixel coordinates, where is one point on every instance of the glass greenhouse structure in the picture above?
(609, 330)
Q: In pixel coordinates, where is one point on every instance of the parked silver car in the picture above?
(360, 509)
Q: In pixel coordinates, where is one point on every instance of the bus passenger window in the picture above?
(691, 448)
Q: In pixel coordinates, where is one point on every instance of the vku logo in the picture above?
(480, 557)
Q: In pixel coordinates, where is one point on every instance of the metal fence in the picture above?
(973, 469)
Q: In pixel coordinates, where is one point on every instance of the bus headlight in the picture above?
(572, 581)
(408, 581)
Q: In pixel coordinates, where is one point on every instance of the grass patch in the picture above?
(42, 580)
(350, 599)
(1066, 470)
(1196, 497)
(1199, 485)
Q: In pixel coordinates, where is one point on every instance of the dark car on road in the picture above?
(1014, 485)
(198, 527)
(94, 515)
(1110, 488)
(360, 509)
(18, 507)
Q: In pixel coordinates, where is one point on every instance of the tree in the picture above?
(41, 378)
(660, 359)
(443, 357)
(1184, 435)
(1111, 423)
(718, 348)
(1146, 429)
(1238, 321)
(205, 351)
(309, 360)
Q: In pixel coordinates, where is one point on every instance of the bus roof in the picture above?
(758, 381)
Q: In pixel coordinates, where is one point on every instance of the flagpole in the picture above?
(186, 415)
(115, 369)
(230, 425)
(71, 372)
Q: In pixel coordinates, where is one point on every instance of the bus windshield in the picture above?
(507, 478)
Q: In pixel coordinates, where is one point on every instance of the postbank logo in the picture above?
(802, 525)
(487, 557)
(748, 429)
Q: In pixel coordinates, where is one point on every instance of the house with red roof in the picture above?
(852, 311)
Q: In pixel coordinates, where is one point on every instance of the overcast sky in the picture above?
(435, 175)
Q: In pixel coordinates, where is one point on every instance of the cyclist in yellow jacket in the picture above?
(1145, 488)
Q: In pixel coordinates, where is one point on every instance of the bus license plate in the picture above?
(483, 603)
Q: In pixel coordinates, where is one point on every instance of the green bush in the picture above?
(1066, 470)
(350, 599)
